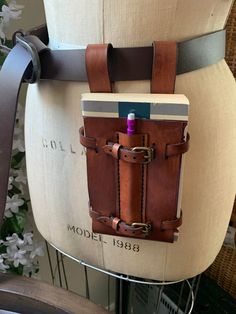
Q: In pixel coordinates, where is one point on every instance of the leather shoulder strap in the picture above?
(97, 66)
(164, 67)
(15, 69)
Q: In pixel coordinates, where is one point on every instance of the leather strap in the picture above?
(164, 67)
(118, 225)
(128, 64)
(172, 224)
(179, 148)
(97, 58)
(41, 32)
(126, 154)
(87, 142)
(132, 181)
(127, 230)
(15, 69)
(114, 149)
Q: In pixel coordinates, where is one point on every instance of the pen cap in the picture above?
(131, 123)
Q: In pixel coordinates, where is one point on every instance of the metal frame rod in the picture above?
(138, 281)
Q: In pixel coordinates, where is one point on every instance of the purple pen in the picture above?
(131, 123)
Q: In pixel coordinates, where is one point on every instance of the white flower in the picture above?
(18, 142)
(3, 266)
(17, 256)
(38, 251)
(10, 180)
(13, 241)
(21, 251)
(28, 238)
(2, 34)
(30, 270)
(20, 176)
(10, 13)
(12, 205)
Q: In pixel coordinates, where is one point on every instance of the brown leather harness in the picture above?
(31, 60)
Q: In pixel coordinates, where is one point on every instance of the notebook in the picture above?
(146, 106)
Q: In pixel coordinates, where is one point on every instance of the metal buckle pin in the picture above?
(36, 72)
(146, 227)
(149, 151)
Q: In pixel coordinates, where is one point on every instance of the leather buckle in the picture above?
(146, 227)
(36, 67)
(149, 153)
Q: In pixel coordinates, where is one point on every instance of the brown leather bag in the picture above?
(126, 64)
(133, 180)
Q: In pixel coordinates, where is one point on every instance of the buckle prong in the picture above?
(149, 153)
(146, 226)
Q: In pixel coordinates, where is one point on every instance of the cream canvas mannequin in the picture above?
(56, 161)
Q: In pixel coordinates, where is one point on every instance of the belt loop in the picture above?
(115, 223)
(18, 38)
(116, 150)
(97, 66)
(164, 67)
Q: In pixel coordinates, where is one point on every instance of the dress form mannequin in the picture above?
(59, 188)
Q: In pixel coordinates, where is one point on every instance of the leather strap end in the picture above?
(172, 224)
(177, 149)
(97, 66)
(87, 142)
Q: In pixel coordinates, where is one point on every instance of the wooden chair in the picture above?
(30, 296)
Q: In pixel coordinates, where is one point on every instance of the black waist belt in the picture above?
(31, 60)
(127, 64)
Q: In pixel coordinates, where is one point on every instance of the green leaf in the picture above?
(6, 229)
(16, 159)
(24, 207)
(8, 42)
(2, 58)
(16, 270)
(3, 249)
(2, 2)
(14, 224)
(21, 218)
(14, 191)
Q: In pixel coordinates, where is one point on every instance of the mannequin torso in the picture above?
(61, 206)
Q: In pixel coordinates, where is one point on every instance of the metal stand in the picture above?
(175, 299)
(137, 294)
(122, 296)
